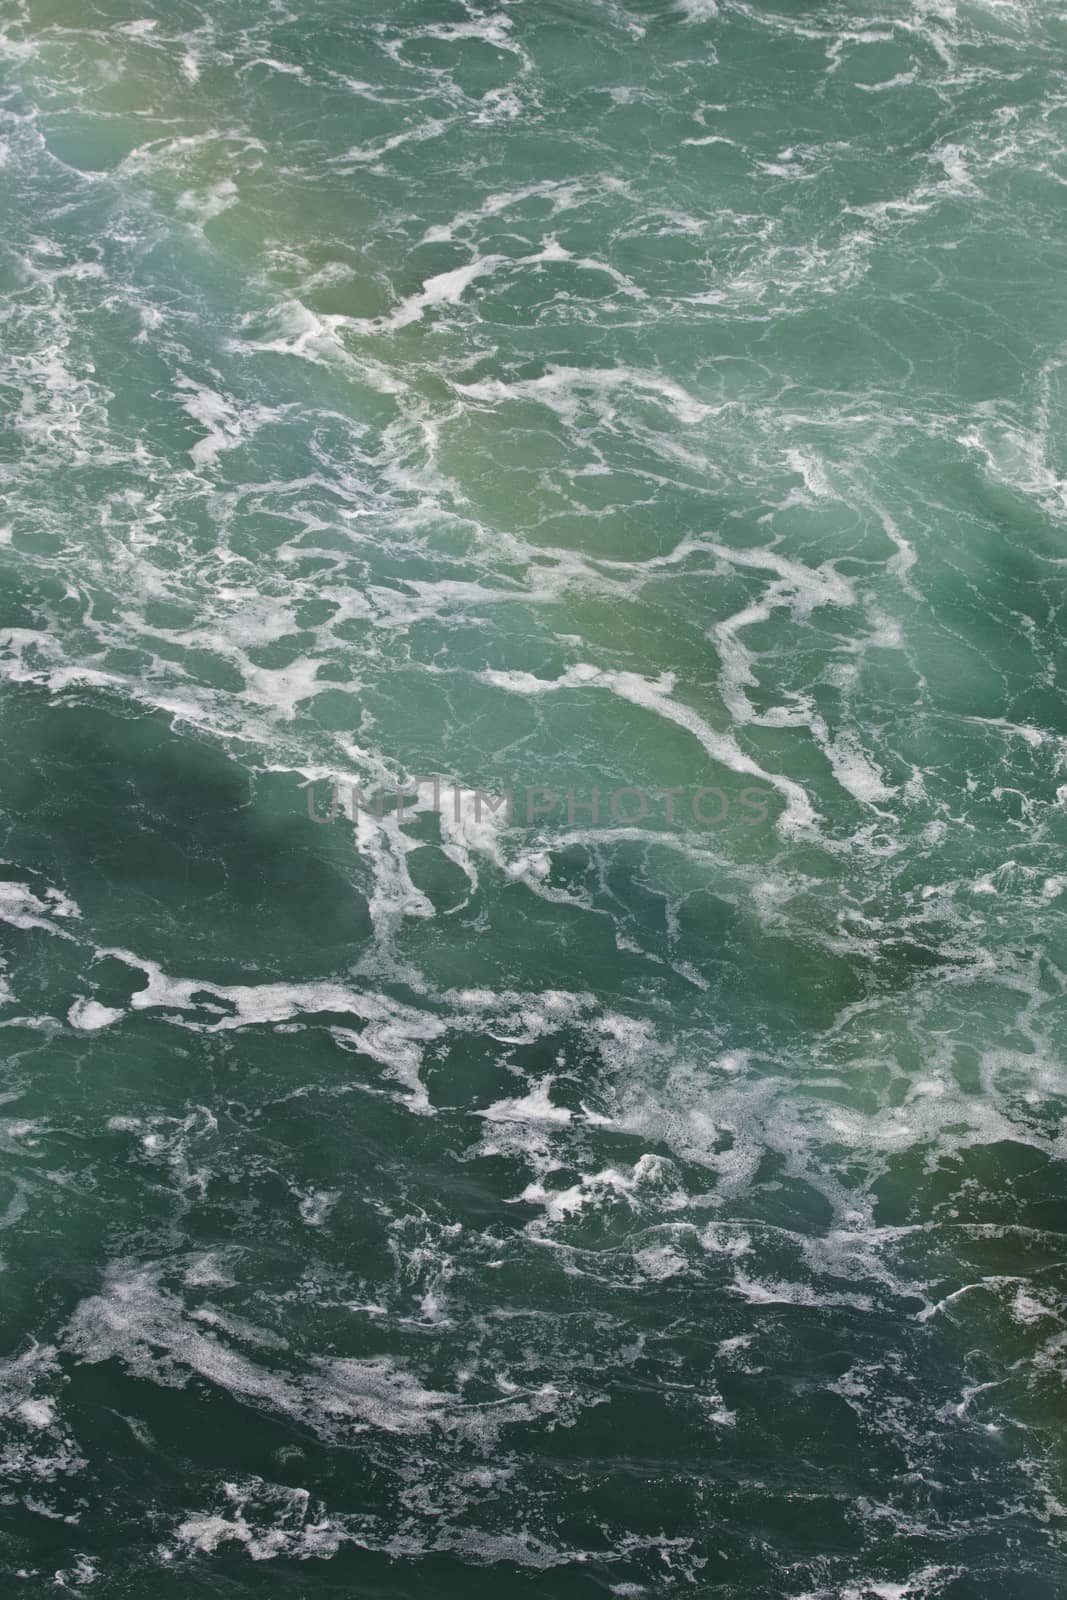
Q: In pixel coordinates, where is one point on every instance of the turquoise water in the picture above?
(432, 1200)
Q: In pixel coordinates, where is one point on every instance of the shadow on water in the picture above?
(169, 849)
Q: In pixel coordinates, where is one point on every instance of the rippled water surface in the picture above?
(564, 395)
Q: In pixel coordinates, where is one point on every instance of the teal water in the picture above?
(576, 395)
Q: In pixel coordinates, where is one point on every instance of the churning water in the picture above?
(657, 1198)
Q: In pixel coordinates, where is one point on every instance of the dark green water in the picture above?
(535, 396)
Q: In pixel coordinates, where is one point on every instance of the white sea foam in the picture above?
(448, 288)
(228, 424)
(90, 1015)
(139, 1323)
(655, 696)
(20, 907)
(393, 1034)
(267, 1520)
(566, 390)
(204, 205)
(361, 154)
(608, 1186)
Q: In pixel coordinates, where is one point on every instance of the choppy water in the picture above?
(560, 394)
